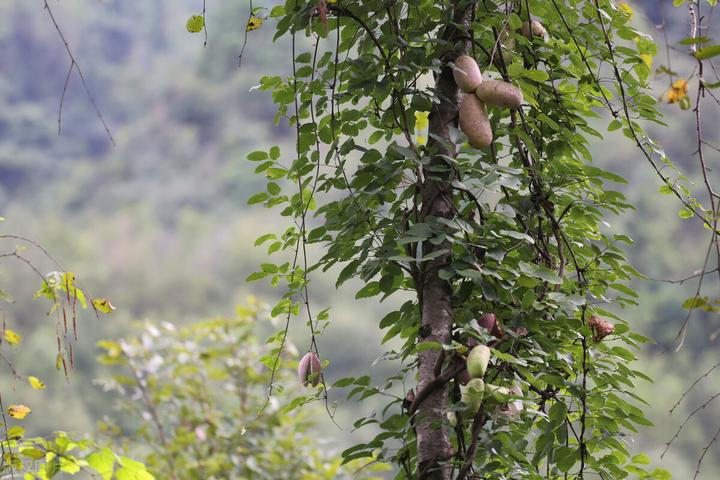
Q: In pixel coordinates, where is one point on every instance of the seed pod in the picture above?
(472, 394)
(474, 121)
(467, 74)
(309, 369)
(488, 321)
(533, 29)
(478, 360)
(499, 93)
(601, 328)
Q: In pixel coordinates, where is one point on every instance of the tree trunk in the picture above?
(433, 443)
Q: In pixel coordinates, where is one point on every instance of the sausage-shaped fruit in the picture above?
(474, 121)
(472, 394)
(467, 73)
(477, 361)
(309, 369)
(499, 93)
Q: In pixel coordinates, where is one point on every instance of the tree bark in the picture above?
(433, 442)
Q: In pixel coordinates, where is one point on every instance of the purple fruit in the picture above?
(309, 369)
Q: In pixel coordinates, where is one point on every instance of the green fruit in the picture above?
(477, 361)
(472, 394)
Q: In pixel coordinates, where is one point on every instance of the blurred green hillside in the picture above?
(159, 223)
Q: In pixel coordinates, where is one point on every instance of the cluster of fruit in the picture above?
(474, 121)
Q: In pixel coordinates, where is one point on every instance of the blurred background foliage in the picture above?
(190, 397)
(159, 224)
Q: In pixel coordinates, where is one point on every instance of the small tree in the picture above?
(60, 453)
(517, 228)
(186, 392)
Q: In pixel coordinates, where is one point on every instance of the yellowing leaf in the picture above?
(647, 59)
(12, 338)
(254, 23)
(18, 411)
(36, 383)
(103, 304)
(625, 8)
(678, 90)
(195, 24)
(421, 127)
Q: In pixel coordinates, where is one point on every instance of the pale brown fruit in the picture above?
(467, 74)
(474, 121)
(309, 369)
(499, 93)
(533, 29)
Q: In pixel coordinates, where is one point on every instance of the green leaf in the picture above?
(565, 458)
(257, 156)
(686, 213)
(557, 414)
(707, 52)
(536, 75)
(195, 24)
(369, 290)
(102, 462)
(694, 40)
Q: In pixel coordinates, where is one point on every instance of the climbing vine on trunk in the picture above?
(503, 244)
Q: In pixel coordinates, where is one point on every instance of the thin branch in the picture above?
(74, 65)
